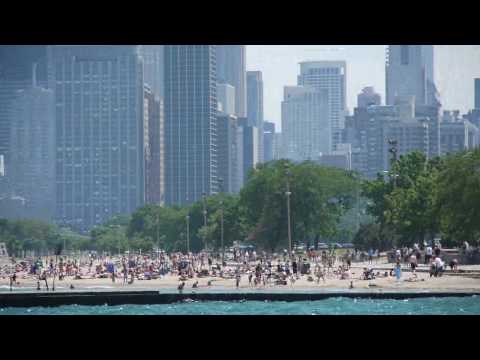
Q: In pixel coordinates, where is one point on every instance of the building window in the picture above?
(404, 54)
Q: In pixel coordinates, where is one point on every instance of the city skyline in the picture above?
(365, 67)
(155, 124)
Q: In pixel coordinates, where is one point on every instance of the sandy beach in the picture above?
(468, 281)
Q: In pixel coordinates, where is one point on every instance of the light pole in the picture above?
(204, 197)
(220, 181)
(393, 149)
(288, 193)
(188, 232)
(158, 230)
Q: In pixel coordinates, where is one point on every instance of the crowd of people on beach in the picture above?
(259, 269)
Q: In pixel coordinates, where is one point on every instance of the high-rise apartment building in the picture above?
(306, 126)
(369, 129)
(368, 97)
(268, 140)
(231, 69)
(330, 76)
(255, 106)
(154, 147)
(16, 63)
(99, 101)
(457, 134)
(190, 123)
(153, 68)
(410, 72)
(248, 148)
(226, 98)
(32, 151)
(227, 152)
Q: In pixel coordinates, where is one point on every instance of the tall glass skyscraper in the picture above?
(231, 69)
(190, 123)
(255, 107)
(99, 132)
(153, 68)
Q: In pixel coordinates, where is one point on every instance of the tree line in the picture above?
(419, 199)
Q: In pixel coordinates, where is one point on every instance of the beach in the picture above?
(460, 281)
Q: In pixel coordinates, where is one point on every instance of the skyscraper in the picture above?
(154, 147)
(255, 106)
(153, 68)
(99, 132)
(305, 123)
(16, 74)
(410, 72)
(369, 129)
(268, 140)
(248, 139)
(190, 123)
(368, 97)
(231, 69)
(477, 93)
(330, 76)
(226, 98)
(227, 152)
(32, 155)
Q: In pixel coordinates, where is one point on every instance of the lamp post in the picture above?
(204, 197)
(188, 232)
(158, 230)
(288, 194)
(393, 149)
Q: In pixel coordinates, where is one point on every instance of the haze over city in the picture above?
(172, 170)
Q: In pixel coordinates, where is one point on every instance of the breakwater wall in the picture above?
(155, 297)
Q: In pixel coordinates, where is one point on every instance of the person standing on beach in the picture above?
(413, 263)
(237, 277)
(428, 254)
(125, 273)
(398, 270)
(294, 268)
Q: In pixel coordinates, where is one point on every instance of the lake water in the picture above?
(331, 306)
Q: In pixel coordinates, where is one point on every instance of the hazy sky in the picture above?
(279, 65)
(455, 68)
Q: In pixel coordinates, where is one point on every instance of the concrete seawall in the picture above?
(155, 297)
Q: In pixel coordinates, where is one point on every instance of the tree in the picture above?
(369, 236)
(405, 206)
(319, 197)
(458, 197)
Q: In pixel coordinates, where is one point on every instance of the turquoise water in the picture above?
(332, 306)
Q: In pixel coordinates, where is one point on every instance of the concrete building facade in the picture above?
(32, 152)
(306, 126)
(330, 76)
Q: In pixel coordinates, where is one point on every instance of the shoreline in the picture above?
(169, 296)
